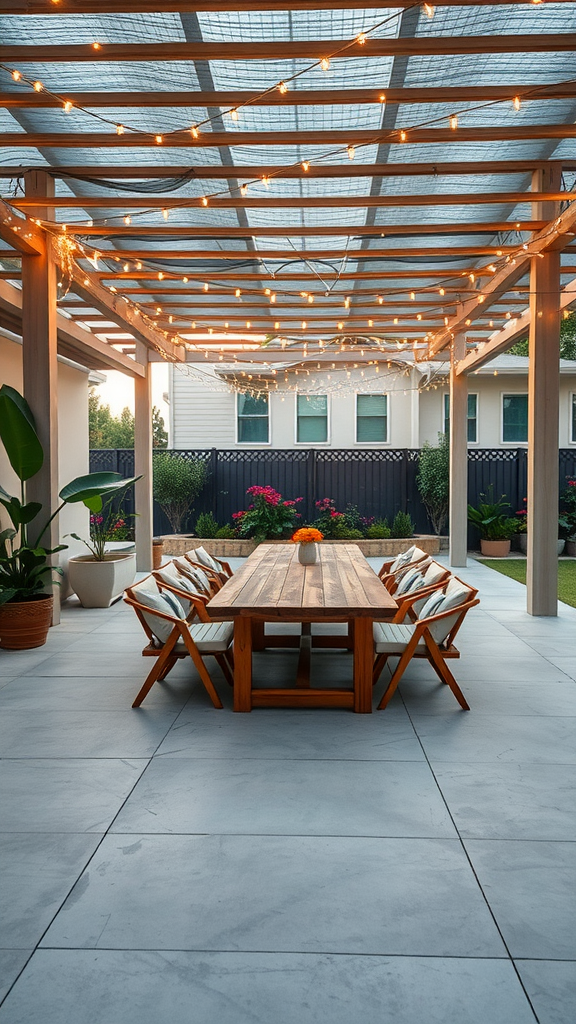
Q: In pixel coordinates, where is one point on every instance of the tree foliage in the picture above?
(177, 483)
(433, 481)
(109, 431)
(567, 340)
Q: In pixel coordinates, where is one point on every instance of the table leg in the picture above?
(258, 642)
(304, 658)
(363, 662)
(242, 663)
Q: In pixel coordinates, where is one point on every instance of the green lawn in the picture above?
(516, 569)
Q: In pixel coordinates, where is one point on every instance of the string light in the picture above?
(165, 213)
(243, 190)
(266, 181)
(305, 165)
(16, 75)
(204, 200)
(234, 114)
(282, 88)
(37, 86)
(127, 219)
(237, 293)
(517, 103)
(194, 132)
(96, 46)
(430, 10)
(403, 135)
(453, 121)
(158, 139)
(325, 63)
(361, 38)
(351, 150)
(120, 129)
(68, 106)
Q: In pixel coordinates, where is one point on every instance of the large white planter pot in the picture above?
(98, 584)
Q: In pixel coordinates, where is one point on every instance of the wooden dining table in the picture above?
(272, 586)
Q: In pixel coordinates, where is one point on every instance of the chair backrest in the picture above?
(452, 595)
(158, 611)
(169, 577)
(208, 560)
(196, 575)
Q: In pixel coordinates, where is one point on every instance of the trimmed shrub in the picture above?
(379, 530)
(402, 525)
(206, 525)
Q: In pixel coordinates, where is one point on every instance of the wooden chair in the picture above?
(417, 583)
(218, 564)
(395, 567)
(208, 583)
(430, 635)
(172, 636)
(217, 579)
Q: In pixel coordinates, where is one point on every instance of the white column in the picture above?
(543, 412)
(143, 462)
(458, 456)
(40, 367)
(415, 410)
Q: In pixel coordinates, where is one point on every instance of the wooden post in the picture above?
(40, 366)
(543, 413)
(458, 456)
(143, 462)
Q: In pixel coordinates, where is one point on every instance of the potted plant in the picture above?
(564, 525)
(495, 526)
(25, 571)
(307, 539)
(101, 577)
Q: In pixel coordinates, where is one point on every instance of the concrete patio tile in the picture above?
(97, 693)
(530, 889)
(11, 963)
(64, 795)
(304, 733)
(490, 697)
(407, 897)
(261, 988)
(475, 667)
(16, 663)
(551, 986)
(553, 647)
(566, 664)
(36, 878)
(463, 737)
(79, 734)
(69, 663)
(511, 801)
(269, 797)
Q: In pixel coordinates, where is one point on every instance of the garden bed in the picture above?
(178, 544)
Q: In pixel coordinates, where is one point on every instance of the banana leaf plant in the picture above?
(25, 572)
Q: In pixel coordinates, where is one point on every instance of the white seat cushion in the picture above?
(393, 637)
(433, 573)
(411, 579)
(209, 637)
(456, 593)
(402, 559)
(207, 560)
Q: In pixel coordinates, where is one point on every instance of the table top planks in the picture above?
(273, 584)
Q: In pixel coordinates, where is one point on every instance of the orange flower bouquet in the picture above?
(307, 538)
(307, 535)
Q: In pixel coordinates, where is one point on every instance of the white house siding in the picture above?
(204, 418)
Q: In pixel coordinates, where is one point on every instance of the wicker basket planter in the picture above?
(25, 624)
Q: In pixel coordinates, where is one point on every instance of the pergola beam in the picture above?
(293, 97)
(302, 231)
(183, 6)
(290, 255)
(244, 172)
(289, 49)
(168, 202)
(327, 137)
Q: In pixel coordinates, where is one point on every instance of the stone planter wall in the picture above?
(176, 545)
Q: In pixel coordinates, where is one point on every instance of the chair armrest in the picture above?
(226, 566)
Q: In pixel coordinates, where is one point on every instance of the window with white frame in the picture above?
(253, 419)
(573, 420)
(472, 419)
(515, 419)
(311, 418)
(372, 419)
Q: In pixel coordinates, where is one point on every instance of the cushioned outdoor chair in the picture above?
(436, 620)
(211, 566)
(416, 583)
(207, 583)
(173, 634)
(393, 567)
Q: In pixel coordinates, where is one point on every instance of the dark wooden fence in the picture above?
(380, 483)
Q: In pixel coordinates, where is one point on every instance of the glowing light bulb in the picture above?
(266, 181)
(237, 293)
(160, 275)
(185, 280)
(234, 115)
(276, 325)
(481, 298)
(472, 277)
(340, 326)
(429, 9)
(453, 120)
(16, 75)
(204, 200)
(68, 106)
(158, 139)
(127, 219)
(282, 88)
(361, 38)
(120, 129)
(305, 165)
(126, 268)
(248, 324)
(516, 102)
(273, 297)
(325, 63)
(310, 299)
(38, 86)
(96, 46)
(138, 265)
(165, 213)
(380, 300)
(304, 325)
(442, 291)
(243, 190)
(205, 287)
(412, 296)
(347, 302)
(351, 150)
(403, 136)
(267, 291)
(194, 132)
(370, 323)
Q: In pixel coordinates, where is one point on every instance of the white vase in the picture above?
(98, 584)
(307, 553)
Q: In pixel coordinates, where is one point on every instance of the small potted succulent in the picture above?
(496, 527)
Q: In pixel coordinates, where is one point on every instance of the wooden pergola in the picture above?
(346, 185)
